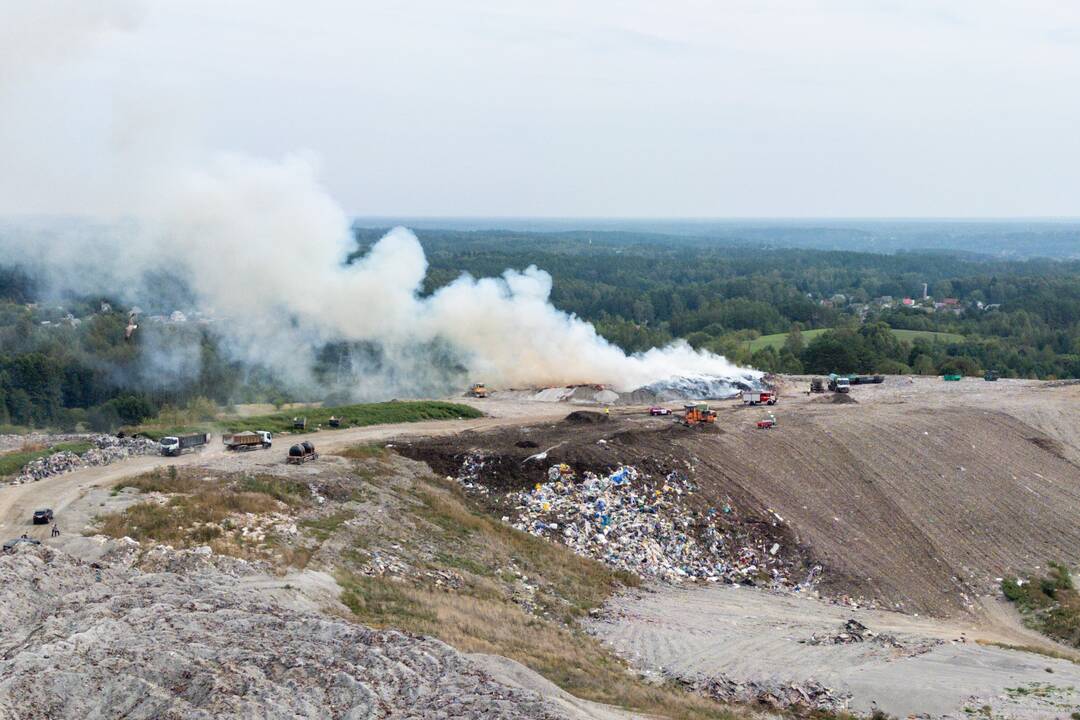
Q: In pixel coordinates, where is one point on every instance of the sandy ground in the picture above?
(745, 634)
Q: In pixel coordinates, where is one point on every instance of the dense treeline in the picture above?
(643, 291)
(73, 367)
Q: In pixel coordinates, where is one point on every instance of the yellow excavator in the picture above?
(478, 390)
(698, 414)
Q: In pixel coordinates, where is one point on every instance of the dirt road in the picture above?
(62, 492)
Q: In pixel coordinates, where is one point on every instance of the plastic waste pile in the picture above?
(107, 450)
(643, 525)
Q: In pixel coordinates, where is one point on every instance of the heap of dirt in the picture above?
(586, 417)
(913, 510)
(839, 399)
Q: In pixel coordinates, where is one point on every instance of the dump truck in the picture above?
(248, 440)
(697, 414)
(867, 379)
(478, 390)
(301, 453)
(299, 423)
(817, 385)
(840, 383)
(758, 397)
(173, 445)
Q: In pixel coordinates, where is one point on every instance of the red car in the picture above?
(659, 411)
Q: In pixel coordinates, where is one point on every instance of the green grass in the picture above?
(777, 341)
(319, 418)
(1048, 604)
(357, 415)
(11, 463)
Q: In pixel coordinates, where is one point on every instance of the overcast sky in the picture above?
(762, 108)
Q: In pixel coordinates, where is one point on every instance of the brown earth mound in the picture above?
(920, 511)
(586, 417)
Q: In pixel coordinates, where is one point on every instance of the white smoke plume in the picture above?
(263, 247)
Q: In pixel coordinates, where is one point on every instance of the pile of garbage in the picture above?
(853, 631)
(107, 450)
(642, 525)
(810, 695)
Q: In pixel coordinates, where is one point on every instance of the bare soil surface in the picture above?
(910, 666)
(918, 496)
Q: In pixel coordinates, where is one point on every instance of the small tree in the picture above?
(924, 365)
(794, 342)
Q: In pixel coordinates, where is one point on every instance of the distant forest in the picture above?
(646, 290)
(72, 367)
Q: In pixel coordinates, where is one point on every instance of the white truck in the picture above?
(173, 445)
(248, 440)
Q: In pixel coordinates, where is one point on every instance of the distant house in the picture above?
(908, 302)
(826, 303)
(950, 301)
(839, 299)
(884, 300)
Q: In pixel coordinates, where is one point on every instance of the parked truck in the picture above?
(248, 440)
(759, 397)
(301, 453)
(174, 445)
(867, 379)
(839, 383)
(817, 385)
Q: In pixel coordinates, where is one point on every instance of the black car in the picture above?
(10, 545)
(43, 517)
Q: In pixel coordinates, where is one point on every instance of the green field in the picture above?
(777, 340)
(319, 418)
(11, 463)
(356, 415)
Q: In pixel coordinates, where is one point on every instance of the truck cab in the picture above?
(843, 384)
(170, 446)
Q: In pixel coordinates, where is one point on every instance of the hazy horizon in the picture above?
(609, 110)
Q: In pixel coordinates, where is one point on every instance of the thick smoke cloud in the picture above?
(262, 247)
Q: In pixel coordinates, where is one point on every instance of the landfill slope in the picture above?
(188, 644)
(919, 511)
(915, 497)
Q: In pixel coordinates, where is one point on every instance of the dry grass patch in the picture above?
(571, 659)
(200, 510)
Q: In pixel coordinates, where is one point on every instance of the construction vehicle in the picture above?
(867, 379)
(174, 445)
(758, 397)
(817, 385)
(698, 414)
(335, 421)
(991, 376)
(839, 383)
(951, 377)
(301, 453)
(248, 440)
(478, 390)
(299, 423)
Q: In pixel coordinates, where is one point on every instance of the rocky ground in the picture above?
(113, 641)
